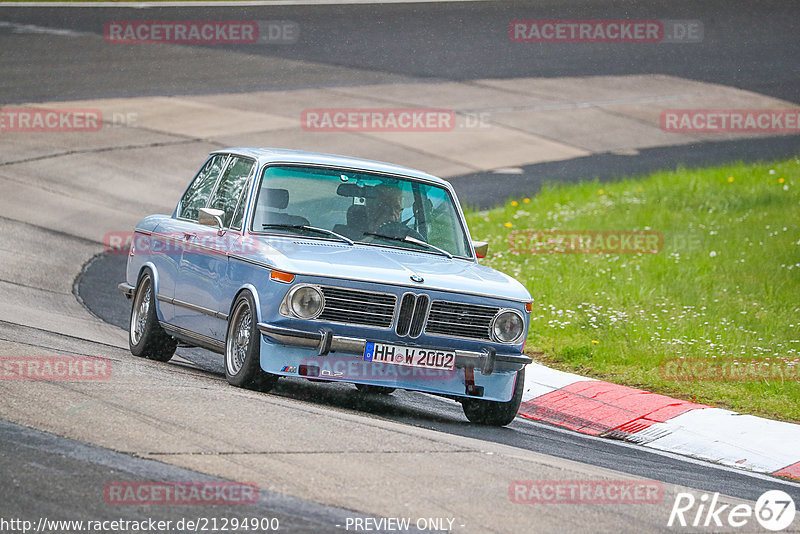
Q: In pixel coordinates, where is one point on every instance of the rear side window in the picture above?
(197, 195)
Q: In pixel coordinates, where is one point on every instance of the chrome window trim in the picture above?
(461, 220)
(224, 166)
(248, 185)
(229, 163)
(245, 196)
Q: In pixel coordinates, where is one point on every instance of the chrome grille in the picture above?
(410, 320)
(420, 311)
(460, 320)
(351, 306)
(405, 315)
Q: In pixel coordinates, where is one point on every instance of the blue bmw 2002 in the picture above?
(310, 265)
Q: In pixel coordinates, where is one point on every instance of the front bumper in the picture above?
(324, 341)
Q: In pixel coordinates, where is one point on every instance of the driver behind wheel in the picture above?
(386, 207)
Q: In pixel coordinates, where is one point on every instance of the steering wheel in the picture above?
(399, 230)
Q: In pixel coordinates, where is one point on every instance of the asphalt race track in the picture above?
(440, 414)
(748, 45)
(323, 454)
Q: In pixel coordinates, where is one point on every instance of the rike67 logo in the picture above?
(774, 511)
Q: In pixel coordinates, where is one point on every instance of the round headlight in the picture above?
(507, 326)
(306, 302)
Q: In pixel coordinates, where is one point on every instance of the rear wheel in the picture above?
(243, 348)
(492, 413)
(146, 338)
(375, 390)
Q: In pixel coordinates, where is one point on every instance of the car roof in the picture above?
(264, 155)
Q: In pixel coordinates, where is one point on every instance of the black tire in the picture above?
(146, 338)
(243, 348)
(493, 413)
(374, 390)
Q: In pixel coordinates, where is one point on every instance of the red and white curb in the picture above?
(608, 410)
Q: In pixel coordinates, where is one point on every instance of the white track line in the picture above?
(33, 28)
(675, 456)
(229, 3)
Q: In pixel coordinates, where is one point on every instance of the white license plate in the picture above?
(410, 356)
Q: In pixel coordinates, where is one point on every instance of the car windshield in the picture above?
(361, 207)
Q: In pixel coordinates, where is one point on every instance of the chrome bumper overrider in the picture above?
(126, 289)
(325, 341)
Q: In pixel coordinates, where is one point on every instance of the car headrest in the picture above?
(276, 198)
(357, 216)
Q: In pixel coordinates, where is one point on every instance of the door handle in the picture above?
(189, 235)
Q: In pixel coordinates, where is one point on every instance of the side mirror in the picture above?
(481, 248)
(211, 217)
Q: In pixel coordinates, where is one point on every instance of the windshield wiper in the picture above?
(311, 229)
(414, 241)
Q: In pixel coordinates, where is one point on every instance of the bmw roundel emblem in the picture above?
(417, 278)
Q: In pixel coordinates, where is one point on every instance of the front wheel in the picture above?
(146, 338)
(492, 413)
(243, 348)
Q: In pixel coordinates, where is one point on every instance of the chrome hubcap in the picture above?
(239, 338)
(140, 310)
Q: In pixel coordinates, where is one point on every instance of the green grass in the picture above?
(724, 290)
